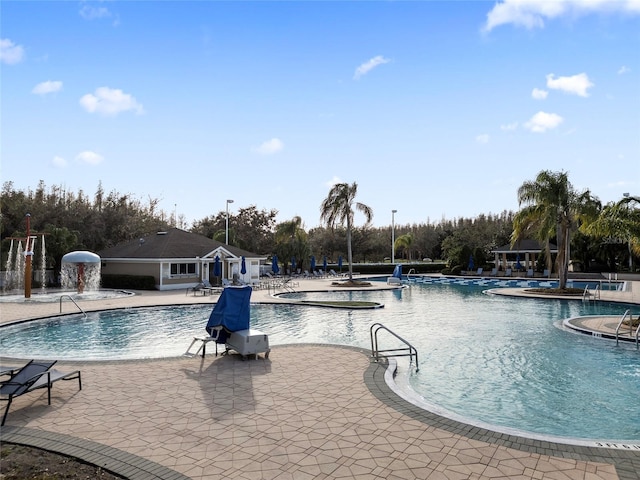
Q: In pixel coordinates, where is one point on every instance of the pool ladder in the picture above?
(586, 295)
(630, 315)
(408, 351)
(74, 302)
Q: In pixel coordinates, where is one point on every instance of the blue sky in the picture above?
(437, 109)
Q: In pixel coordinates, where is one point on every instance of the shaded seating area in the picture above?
(32, 376)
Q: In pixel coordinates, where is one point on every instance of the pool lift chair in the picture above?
(32, 376)
(229, 325)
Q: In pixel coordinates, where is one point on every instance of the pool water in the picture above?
(492, 359)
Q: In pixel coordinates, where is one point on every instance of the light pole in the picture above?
(626, 195)
(226, 230)
(393, 236)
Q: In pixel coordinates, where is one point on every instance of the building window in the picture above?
(183, 269)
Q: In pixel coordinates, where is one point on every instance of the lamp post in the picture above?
(226, 230)
(626, 195)
(393, 236)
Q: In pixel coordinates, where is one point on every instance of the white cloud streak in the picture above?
(542, 121)
(532, 14)
(47, 87)
(482, 138)
(10, 53)
(90, 12)
(89, 158)
(576, 84)
(623, 69)
(539, 94)
(369, 65)
(110, 102)
(270, 147)
(509, 127)
(59, 162)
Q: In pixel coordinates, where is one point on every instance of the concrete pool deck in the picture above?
(307, 412)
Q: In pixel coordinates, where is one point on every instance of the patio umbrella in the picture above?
(274, 264)
(518, 264)
(340, 263)
(324, 264)
(471, 265)
(313, 263)
(217, 270)
(243, 266)
(293, 264)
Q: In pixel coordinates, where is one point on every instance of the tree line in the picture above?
(78, 221)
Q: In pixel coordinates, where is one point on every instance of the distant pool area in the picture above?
(501, 361)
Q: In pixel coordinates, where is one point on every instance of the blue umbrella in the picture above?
(324, 264)
(243, 266)
(518, 264)
(313, 263)
(293, 264)
(470, 267)
(274, 264)
(340, 263)
(217, 271)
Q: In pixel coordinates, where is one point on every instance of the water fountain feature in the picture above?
(81, 270)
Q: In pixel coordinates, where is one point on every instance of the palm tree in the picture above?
(292, 241)
(621, 221)
(337, 208)
(553, 208)
(405, 242)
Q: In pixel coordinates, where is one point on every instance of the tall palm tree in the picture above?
(619, 220)
(338, 207)
(553, 208)
(405, 242)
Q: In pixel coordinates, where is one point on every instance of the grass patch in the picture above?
(341, 304)
(556, 291)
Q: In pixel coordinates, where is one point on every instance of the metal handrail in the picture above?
(587, 293)
(395, 352)
(74, 302)
(628, 312)
(410, 270)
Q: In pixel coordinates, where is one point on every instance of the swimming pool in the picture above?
(489, 358)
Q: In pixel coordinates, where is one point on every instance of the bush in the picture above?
(133, 282)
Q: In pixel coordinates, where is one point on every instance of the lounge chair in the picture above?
(508, 272)
(545, 273)
(530, 273)
(32, 376)
(494, 272)
(479, 272)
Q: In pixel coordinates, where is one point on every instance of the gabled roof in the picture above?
(524, 246)
(173, 243)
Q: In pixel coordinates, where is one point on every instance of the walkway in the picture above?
(308, 412)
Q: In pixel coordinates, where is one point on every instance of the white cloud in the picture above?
(335, 180)
(542, 121)
(576, 84)
(509, 127)
(483, 138)
(59, 162)
(89, 158)
(532, 14)
(366, 67)
(90, 12)
(623, 69)
(110, 101)
(539, 94)
(47, 87)
(270, 147)
(10, 53)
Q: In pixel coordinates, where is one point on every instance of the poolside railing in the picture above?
(74, 302)
(631, 334)
(408, 351)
